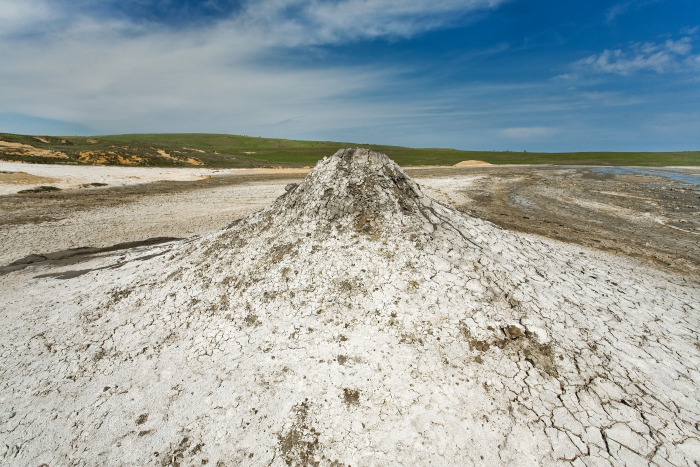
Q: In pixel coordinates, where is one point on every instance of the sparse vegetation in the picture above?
(227, 151)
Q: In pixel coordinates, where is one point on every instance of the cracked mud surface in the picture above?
(640, 213)
(45, 223)
(354, 321)
(643, 215)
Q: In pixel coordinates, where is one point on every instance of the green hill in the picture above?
(226, 151)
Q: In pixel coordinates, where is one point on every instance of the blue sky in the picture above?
(536, 75)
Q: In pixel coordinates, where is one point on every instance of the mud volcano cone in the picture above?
(355, 321)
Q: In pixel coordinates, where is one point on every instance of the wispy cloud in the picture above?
(665, 57)
(622, 8)
(337, 21)
(291, 22)
(70, 63)
(609, 99)
(616, 10)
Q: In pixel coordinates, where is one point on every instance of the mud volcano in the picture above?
(354, 321)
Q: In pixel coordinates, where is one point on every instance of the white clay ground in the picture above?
(354, 321)
(68, 177)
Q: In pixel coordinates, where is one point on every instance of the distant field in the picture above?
(229, 151)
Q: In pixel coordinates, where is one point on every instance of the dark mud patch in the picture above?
(519, 343)
(540, 356)
(69, 274)
(279, 252)
(299, 444)
(40, 189)
(80, 255)
(182, 453)
(252, 320)
(351, 396)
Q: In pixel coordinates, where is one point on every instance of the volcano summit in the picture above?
(354, 321)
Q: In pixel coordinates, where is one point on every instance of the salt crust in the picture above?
(354, 321)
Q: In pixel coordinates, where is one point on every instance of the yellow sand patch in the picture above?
(23, 178)
(92, 141)
(470, 163)
(92, 157)
(43, 140)
(19, 149)
(131, 159)
(189, 160)
(7, 144)
(100, 157)
(193, 149)
(248, 152)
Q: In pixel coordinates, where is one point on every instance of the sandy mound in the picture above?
(354, 321)
(20, 149)
(470, 163)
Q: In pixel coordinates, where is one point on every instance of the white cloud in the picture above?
(132, 76)
(163, 81)
(289, 22)
(660, 58)
(12, 11)
(16, 16)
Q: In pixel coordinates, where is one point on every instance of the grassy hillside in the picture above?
(221, 151)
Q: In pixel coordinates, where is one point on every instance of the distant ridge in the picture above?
(231, 151)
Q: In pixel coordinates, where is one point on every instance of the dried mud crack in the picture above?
(77, 255)
(652, 215)
(354, 321)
